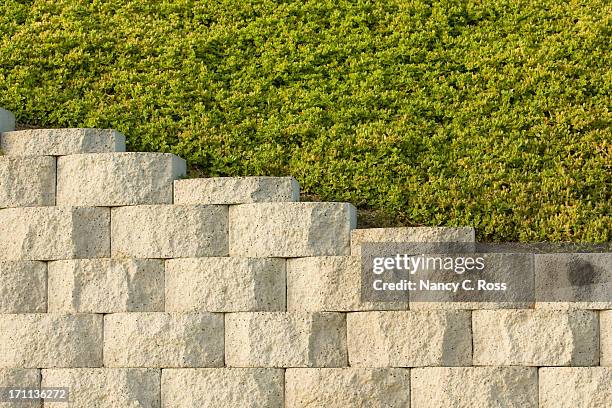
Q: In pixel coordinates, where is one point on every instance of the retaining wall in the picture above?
(137, 288)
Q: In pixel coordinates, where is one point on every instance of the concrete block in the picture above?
(116, 179)
(165, 340)
(409, 234)
(169, 231)
(50, 340)
(225, 284)
(20, 378)
(61, 142)
(573, 281)
(23, 287)
(285, 340)
(106, 387)
(106, 286)
(51, 233)
(474, 387)
(290, 230)
(409, 338)
(347, 387)
(7, 121)
(235, 387)
(27, 181)
(236, 190)
(535, 337)
(575, 387)
(330, 283)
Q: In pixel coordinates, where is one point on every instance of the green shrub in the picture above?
(493, 114)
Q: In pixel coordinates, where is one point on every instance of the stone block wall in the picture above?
(135, 287)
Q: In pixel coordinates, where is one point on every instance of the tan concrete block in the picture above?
(23, 287)
(20, 378)
(409, 338)
(7, 121)
(116, 179)
(106, 387)
(575, 387)
(330, 283)
(606, 337)
(169, 231)
(285, 339)
(106, 285)
(535, 337)
(163, 340)
(347, 387)
(51, 233)
(27, 181)
(50, 340)
(289, 230)
(474, 387)
(236, 190)
(229, 387)
(409, 234)
(60, 142)
(225, 284)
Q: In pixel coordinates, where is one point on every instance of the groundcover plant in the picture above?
(489, 114)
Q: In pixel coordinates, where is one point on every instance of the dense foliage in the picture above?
(494, 114)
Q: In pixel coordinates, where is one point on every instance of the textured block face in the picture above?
(7, 121)
(409, 234)
(169, 231)
(106, 387)
(285, 340)
(236, 190)
(163, 340)
(27, 181)
(606, 337)
(60, 142)
(23, 287)
(574, 281)
(289, 230)
(235, 387)
(409, 339)
(115, 179)
(575, 387)
(331, 283)
(347, 387)
(50, 340)
(51, 233)
(106, 286)
(10, 377)
(535, 337)
(20, 378)
(225, 284)
(474, 387)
